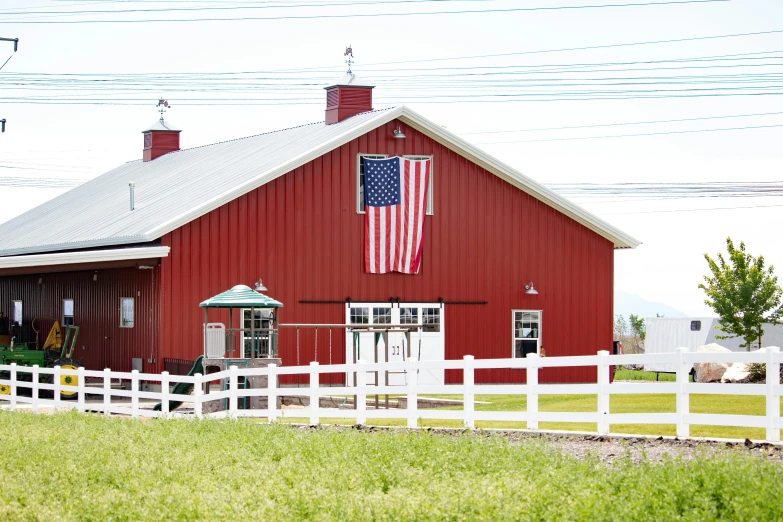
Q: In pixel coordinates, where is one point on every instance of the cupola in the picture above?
(161, 138)
(348, 96)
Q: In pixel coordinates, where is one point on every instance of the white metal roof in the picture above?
(181, 186)
(162, 125)
(88, 256)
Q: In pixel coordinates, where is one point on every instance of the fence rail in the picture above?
(31, 381)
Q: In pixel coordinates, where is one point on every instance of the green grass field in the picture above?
(87, 467)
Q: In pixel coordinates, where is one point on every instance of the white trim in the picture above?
(94, 256)
(514, 337)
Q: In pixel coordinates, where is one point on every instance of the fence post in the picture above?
(198, 392)
(773, 394)
(315, 399)
(56, 378)
(271, 400)
(81, 389)
(135, 394)
(468, 380)
(106, 391)
(233, 401)
(35, 378)
(603, 392)
(361, 393)
(164, 394)
(683, 399)
(532, 391)
(12, 406)
(413, 396)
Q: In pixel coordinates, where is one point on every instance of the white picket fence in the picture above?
(681, 388)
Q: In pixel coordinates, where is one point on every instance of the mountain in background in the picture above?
(626, 304)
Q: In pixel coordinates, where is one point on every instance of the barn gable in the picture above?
(181, 186)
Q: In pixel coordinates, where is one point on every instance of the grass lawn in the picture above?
(623, 374)
(641, 403)
(87, 467)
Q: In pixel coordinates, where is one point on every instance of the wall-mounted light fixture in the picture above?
(398, 134)
(40, 280)
(530, 290)
(259, 286)
(95, 276)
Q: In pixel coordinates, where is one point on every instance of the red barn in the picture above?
(129, 255)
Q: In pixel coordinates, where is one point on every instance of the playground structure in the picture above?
(253, 343)
(55, 351)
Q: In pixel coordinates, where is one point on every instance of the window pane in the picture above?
(381, 315)
(360, 316)
(431, 319)
(523, 347)
(126, 312)
(409, 316)
(18, 312)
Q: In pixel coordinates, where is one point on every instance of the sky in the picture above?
(438, 65)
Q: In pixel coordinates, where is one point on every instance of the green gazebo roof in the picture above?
(241, 296)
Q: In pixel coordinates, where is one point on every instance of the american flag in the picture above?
(395, 205)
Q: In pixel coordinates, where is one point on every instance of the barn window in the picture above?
(430, 318)
(360, 315)
(67, 312)
(409, 316)
(18, 312)
(527, 332)
(127, 312)
(360, 181)
(695, 326)
(381, 316)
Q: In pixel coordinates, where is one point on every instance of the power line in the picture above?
(662, 133)
(369, 15)
(687, 210)
(625, 123)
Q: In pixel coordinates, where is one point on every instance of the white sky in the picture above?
(79, 142)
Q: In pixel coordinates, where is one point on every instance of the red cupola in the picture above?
(160, 139)
(346, 98)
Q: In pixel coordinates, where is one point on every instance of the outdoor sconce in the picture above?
(95, 276)
(259, 286)
(40, 280)
(529, 290)
(398, 134)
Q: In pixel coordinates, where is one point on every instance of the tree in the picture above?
(620, 328)
(743, 292)
(638, 327)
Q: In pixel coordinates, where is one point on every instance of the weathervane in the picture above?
(162, 106)
(349, 55)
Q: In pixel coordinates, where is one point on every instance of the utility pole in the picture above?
(16, 47)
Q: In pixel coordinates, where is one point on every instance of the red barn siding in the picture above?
(96, 312)
(487, 239)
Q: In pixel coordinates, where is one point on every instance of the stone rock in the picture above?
(710, 372)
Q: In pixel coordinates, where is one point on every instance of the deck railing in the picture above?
(29, 379)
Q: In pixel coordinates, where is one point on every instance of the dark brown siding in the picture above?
(487, 239)
(101, 343)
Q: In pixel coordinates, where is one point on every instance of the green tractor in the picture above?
(55, 351)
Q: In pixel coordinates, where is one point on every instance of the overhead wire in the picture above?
(370, 15)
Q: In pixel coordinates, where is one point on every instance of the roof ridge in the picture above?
(274, 131)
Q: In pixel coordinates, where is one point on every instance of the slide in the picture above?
(183, 388)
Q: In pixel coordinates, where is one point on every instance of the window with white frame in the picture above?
(67, 319)
(360, 181)
(18, 312)
(360, 315)
(127, 312)
(381, 315)
(430, 319)
(527, 332)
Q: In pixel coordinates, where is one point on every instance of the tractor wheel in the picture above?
(66, 380)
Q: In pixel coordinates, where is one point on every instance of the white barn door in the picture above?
(426, 345)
